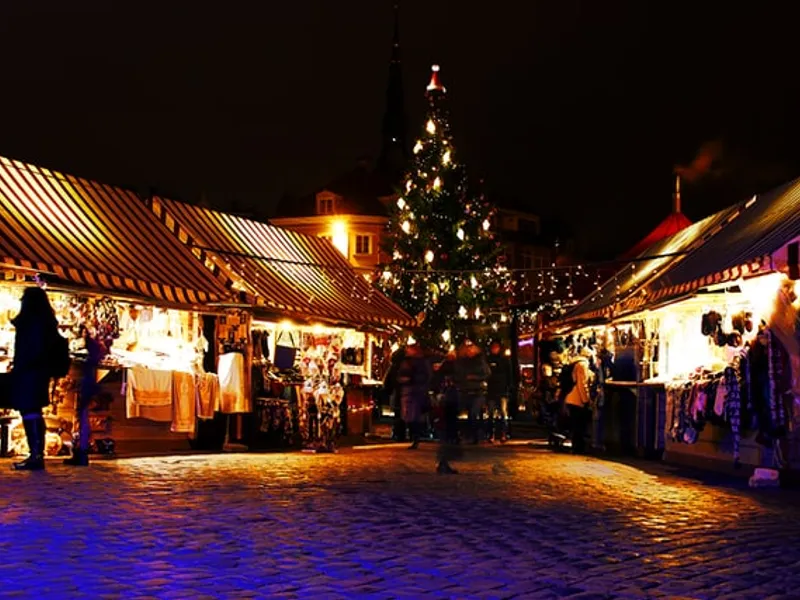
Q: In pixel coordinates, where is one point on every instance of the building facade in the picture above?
(351, 213)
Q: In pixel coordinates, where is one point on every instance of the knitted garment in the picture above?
(733, 407)
(778, 384)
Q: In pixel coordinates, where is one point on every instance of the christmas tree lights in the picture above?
(446, 266)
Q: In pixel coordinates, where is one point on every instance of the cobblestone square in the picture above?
(514, 523)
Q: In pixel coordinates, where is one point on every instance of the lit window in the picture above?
(363, 244)
(325, 206)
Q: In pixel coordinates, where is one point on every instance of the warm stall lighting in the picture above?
(340, 237)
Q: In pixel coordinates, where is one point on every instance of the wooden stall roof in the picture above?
(621, 291)
(744, 248)
(95, 236)
(284, 272)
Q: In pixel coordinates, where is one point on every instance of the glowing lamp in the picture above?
(446, 158)
(406, 226)
(460, 234)
(340, 237)
(429, 256)
(401, 204)
(486, 224)
(417, 147)
(437, 183)
(430, 127)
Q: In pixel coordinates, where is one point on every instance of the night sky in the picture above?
(576, 110)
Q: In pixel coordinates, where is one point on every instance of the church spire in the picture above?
(394, 151)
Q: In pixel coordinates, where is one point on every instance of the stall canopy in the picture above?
(744, 248)
(657, 259)
(671, 225)
(94, 236)
(286, 273)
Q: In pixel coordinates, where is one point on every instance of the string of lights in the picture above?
(348, 268)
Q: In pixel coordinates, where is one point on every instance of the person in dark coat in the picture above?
(498, 392)
(88, 390)
(471, 375)
(392, 395)
(36, 327)
(413, 382)
(444, 383)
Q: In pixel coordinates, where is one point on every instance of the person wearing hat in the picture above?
(578, 399)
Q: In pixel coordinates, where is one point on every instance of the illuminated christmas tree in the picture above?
(446, 266)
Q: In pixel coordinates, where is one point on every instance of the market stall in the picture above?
(715, 367)
(82, 241)
(316, 347)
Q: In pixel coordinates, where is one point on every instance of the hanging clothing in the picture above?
(184, 403)
(780, 384)
(233, 390)
(733, 408)
(208, 395)
(148, 394)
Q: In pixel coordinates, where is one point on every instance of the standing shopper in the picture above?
(413, 382)
(35, 341)
(498, 391)
(444, 384)
(578, 400)
(88, 390)
(472, 372)
(393, 396)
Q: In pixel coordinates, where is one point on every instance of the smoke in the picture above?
(705, 164)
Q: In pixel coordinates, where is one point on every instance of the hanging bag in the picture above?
(284, 355)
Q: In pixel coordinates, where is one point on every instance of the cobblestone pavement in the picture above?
(515, 523)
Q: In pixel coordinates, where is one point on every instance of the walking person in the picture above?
(578, 399)
(444, 383)
(472, 373)
(34, 342)
(413, 381)
(498, 391)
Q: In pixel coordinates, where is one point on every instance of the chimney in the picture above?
(676, 197)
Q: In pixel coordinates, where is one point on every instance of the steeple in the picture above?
(676, 196)
(394, 150)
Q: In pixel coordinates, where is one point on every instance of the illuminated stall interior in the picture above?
(82, 240)
(319, 329)
(718, 316)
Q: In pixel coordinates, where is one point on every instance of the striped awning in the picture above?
(743, 249)
(95, 236)
(623, 292)
(284, 272)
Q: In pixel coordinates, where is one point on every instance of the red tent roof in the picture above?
(674, 223)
